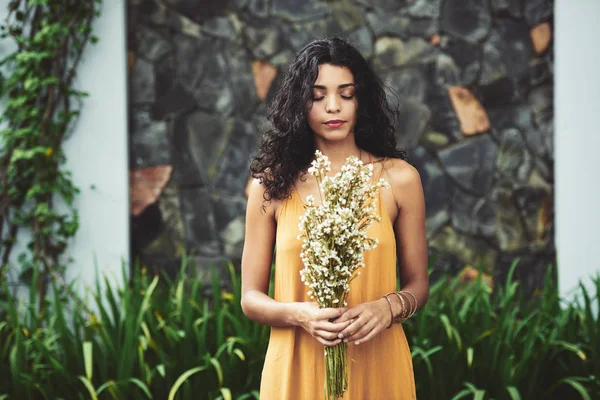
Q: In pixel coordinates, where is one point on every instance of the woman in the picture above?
(330, 99)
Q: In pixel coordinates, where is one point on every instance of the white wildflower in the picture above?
(335, 233)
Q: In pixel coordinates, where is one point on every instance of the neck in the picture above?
(337, 152)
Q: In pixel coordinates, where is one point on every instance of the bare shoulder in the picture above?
(404, 180)
(257, 201)
(401, 174)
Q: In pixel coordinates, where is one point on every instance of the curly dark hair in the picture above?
(287, 146)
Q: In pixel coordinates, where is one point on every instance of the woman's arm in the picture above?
(256, 267)
(411, 241)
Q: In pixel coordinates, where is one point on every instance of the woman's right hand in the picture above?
(316, 321)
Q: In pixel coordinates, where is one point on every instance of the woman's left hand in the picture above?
(369, 320)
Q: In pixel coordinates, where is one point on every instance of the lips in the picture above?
(335, 123)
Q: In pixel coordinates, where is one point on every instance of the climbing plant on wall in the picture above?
(40, 104)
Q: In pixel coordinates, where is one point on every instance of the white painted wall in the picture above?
(97, 153)
(577, 142)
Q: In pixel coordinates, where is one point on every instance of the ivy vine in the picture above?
(40, 106)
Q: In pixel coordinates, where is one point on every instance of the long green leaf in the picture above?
(88, 385)
(182, 378)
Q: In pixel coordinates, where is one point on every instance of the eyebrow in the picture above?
(345, 85)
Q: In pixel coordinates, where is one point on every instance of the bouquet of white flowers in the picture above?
(335, 238)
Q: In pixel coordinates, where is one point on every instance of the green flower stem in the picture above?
(336, 371)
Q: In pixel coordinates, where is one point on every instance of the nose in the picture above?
(332, 105)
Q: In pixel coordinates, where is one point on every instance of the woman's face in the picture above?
(333, 113)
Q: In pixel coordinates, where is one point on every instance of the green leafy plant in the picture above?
(154, 339)
(477, 342)
(41, 105)
(187, 338)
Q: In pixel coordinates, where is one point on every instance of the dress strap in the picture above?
(380, 172)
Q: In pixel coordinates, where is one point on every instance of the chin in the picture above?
(334, 135)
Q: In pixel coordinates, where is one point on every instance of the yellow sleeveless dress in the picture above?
(380, 369)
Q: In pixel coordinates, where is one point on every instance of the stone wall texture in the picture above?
(475, 84)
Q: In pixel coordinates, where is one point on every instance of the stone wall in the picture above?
(475, 83)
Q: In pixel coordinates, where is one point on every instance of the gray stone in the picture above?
(263, 41)
(230, 217)
(493, 66)
(443, 118)
(348, 16)
(239, 71)
(171, 96)
(514, 163)
(393, 52)
(513, 7)
(407, 84)
(467, 57)
(149, 143)
(446, 71)
(472, 163)
(538, 73)
(437, 187)
(151, 45)
(535, 205)
(537, 11)
(199, 222)
(221, 27)
(207, 137)
(513, 41)
(142, 82)
(170, 209)
(383, 5)
(239, 5)
(510, 233)
(436, 222)
(411, 124)
(191, 56)
(233, 238)
(384, 24)
(498, 93)
(259, 8)
(281, 58)
(424, 9)
(434, 140)
(199, 10)
(521, 117)
(469, 250)
(297, 11)
(473, 215)
(232, 172)
(423, 27)
(364, 41)
(541, 100)
(299, 34)
(466, 19)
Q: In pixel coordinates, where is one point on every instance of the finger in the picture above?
(325, 335)
(350, 314)
(327, 342)
(352, 328)
(368, 337)
(331, 326)
(330, 313)
(358, 337)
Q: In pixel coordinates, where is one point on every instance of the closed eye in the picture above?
(343, 97)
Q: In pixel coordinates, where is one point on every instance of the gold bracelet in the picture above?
(405, 292)
(401, 317)
(404, 314)
(391, 311)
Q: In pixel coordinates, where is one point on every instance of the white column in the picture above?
(97, 154)
(577, 142)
